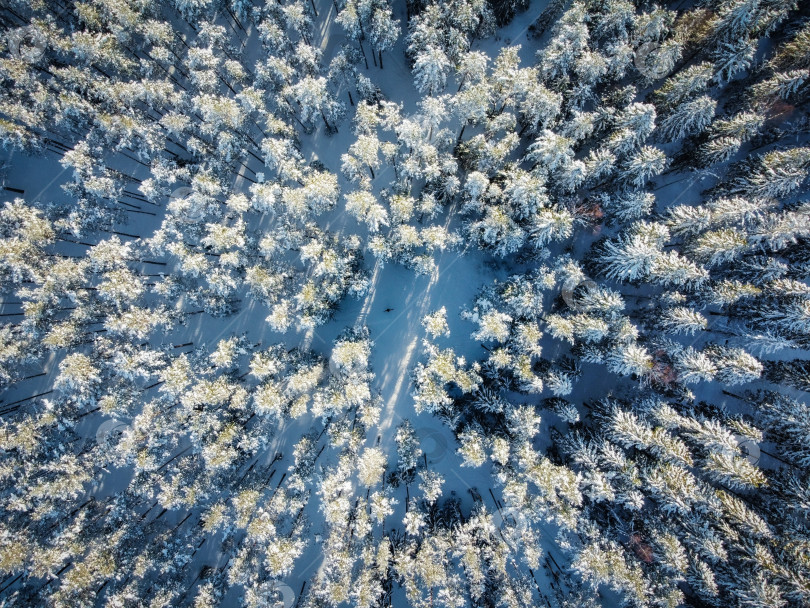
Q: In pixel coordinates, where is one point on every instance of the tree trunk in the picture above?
(461, 84)
(328, 126)
(28, 398)
(235, 19)
(362, 50)
(523, 128)
(13, 580)
(460, 133)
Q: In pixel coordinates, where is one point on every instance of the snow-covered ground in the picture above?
(392, 309)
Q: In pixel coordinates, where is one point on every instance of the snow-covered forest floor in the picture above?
(444, 314)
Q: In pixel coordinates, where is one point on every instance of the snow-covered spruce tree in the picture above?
(671, 525)
(431, 69)
(384, 29)
(143, 433)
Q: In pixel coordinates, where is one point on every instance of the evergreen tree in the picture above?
(431, 68)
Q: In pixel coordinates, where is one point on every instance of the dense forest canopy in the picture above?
(487, 303)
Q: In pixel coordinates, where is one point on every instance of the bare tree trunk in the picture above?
(328, 126)
(460, 133)
(362, 50)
